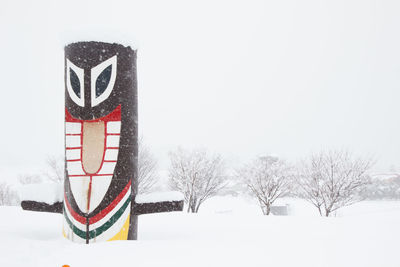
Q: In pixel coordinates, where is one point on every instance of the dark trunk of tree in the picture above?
(192, 206)
(327, 213)
(197, 208)
(319, 210)
(268, 209)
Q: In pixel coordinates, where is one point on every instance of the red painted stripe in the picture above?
(112, 147)
(76, 216)
(69, 118)
(115, 115)
(73, 134)
(89, 193)
(113, 204)
(83, 168)
(113, 134)
(69, 160)
(68, 148)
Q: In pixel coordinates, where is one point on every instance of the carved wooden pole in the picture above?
(101, 146)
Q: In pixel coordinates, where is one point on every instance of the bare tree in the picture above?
(54, 172)
(383, 187)
(197, 175)
(147, 169)
(55, 169)
(332, 180)
(8, 196)
(267, 178)
(29, 179)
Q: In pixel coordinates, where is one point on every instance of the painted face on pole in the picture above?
(100, 142)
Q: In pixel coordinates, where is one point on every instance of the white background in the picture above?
(238, 77)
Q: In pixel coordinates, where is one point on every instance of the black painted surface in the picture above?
(165, 206)
(138, 208)
(87, 55)
(42, 207)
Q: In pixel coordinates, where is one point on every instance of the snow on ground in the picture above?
(228, 231)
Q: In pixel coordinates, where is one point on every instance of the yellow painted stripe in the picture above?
(63, 232)
(123, 234)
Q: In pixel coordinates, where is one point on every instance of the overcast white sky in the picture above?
(241, 78)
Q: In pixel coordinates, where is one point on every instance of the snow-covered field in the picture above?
(228, 231)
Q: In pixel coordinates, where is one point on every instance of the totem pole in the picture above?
(101, 146)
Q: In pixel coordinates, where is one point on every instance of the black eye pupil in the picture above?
(103, 80)
(76, 85)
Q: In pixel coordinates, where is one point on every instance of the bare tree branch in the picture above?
(147, 169)
(197, 175)
(8, 196)
(55, 169)
(268, 178)
(331, 180)
(29, 179)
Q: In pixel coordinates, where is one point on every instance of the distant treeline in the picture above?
(383, 189)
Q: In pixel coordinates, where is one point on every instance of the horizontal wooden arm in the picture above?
(42, 207)
(164, 206)
(138, 208)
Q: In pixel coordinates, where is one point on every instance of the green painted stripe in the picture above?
(101, 229)
(75, 229)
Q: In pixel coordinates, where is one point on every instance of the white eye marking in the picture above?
(102, 80)
(75, 84)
